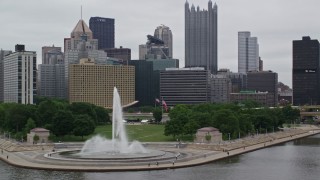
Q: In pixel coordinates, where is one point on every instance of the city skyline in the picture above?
(36, 24)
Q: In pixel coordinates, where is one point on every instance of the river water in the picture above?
(296, 160)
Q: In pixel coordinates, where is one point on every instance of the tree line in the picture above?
(228, 118)
(56, 115)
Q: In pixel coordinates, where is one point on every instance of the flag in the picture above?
(157, 100)
(164, 104)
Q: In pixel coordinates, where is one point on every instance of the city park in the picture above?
(83, 137)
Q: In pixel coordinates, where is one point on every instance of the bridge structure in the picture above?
(310, 111)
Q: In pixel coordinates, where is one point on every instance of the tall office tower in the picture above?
(81, 45)
(248, 52)
(93, 83)
(155, 48)
(264, 81)
(164, 33)
(20, 74)
(81, 32)
(306, 71)
(46, 56)
(201, 37)
(3, 53)
(103, 30)
(185, 85)
(51, 82)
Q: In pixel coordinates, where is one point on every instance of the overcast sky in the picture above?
(276, 23)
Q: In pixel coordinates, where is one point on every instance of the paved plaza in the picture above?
(166, 155)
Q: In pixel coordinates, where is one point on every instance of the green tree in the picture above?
(102, 115)
(191, 127)
(290, 114)
(84, 125)
(46, 111)
(36, 138)
(157, 114)
(227, 122)
(62, 123)
(173, 128)
(16, 117)
(84, 108)
(30, 125)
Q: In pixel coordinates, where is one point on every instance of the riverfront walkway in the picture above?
(191, 154)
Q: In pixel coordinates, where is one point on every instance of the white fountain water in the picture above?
(119, 143)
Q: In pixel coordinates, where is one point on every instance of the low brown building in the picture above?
(208, 135)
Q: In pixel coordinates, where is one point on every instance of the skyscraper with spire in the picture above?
(201, 37)
(81, 45)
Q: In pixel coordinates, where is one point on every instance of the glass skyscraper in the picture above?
(201, 43)
(248, 52)
(103, 30)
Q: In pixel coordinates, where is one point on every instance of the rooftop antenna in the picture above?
(81, 12)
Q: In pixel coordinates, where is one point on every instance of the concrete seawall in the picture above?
(197, 155)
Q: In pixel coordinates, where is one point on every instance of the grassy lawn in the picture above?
(143, 133)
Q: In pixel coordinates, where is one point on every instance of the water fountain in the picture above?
(116, 151)
(119, 143)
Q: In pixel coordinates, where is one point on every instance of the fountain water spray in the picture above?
(119, 143)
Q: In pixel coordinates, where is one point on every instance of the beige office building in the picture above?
(94, 84)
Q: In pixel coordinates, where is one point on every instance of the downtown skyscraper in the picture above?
(201, 37)
(103, 30)
(306, 71)
(248, 52)
(164, 33)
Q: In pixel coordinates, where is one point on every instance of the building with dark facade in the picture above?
(185, 86)
(201, 37)
(147, 79)
(263, 98)
(122, 54)
(264, 81)
(103, 30)
(146, 82)
(305, 71)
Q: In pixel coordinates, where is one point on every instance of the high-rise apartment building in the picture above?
(248, 52)
(94, 83)
(164, 33)
(201, 37)
(20, 74)
(306, 71)
(103, 30)
(3, 53)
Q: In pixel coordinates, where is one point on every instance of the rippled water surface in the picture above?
(297, 160)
